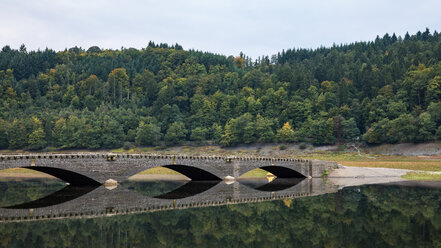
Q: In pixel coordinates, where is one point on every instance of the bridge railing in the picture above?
(145, 156)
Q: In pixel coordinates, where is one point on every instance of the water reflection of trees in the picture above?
(173, 189)
(18, 191)
(371, 216)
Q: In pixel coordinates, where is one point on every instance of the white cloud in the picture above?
(256, 27)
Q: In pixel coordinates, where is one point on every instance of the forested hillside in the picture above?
(384, 91)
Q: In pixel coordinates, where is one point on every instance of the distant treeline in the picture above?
(385, 91)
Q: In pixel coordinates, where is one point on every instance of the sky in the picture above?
(228, 27)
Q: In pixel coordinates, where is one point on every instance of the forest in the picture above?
(383, 91)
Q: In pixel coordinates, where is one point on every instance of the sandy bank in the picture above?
(152, 177)
(354, 176)
(25, 175)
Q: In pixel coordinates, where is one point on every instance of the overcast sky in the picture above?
(227, 27)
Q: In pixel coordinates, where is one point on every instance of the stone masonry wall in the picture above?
(120, 167)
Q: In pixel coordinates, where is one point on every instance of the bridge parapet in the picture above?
(144, 156)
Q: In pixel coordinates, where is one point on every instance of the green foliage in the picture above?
(321, 132)
(17, 135)
(99, 98)
(425, 127)
(438, 133)
(434, 110)
(4, 142)
(216, 132)
(93, 136)
(113, 133)
(176, 133)
(283, 147)
(199, 134)
(350, 129)
(148, 134)
(402, 129)
(264, 129)
(127, 146)
(226, 138)
(377, 133)
(37, 139)
(236, 130)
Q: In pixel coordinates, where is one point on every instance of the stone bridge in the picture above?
(97, 168)
(101, 202)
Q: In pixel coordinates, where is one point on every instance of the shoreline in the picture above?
(425, 149)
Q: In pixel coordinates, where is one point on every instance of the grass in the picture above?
(423, 163)
(20, 171)
(159, 171)
(422, 176)
(256, 173)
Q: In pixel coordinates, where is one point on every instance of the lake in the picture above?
(395, 215)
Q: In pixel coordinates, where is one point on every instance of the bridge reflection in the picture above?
(189, 189)
(87, 202)
(66, 194)
(275, 185)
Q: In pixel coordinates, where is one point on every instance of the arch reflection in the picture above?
(66, 194)
(277, 184)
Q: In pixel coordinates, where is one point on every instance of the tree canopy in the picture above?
(387, 90)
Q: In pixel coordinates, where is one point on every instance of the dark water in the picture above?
(19, 191)
(367, 216)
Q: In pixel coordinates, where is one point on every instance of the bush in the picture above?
(303, 146)
(283, 147)
(341, 147)
(128, 146)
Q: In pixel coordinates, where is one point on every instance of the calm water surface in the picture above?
(367, 216)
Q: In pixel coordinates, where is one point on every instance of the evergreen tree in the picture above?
(350, 129)
(148, 134)
(176, 133)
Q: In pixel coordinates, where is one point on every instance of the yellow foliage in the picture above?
(287, 202)
(287, 129)
(239, 62)
(328, 86)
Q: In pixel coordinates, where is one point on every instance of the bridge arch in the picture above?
(189, 189)
(191, 172)
(279, 184)
(66, 194)
(73, 178)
